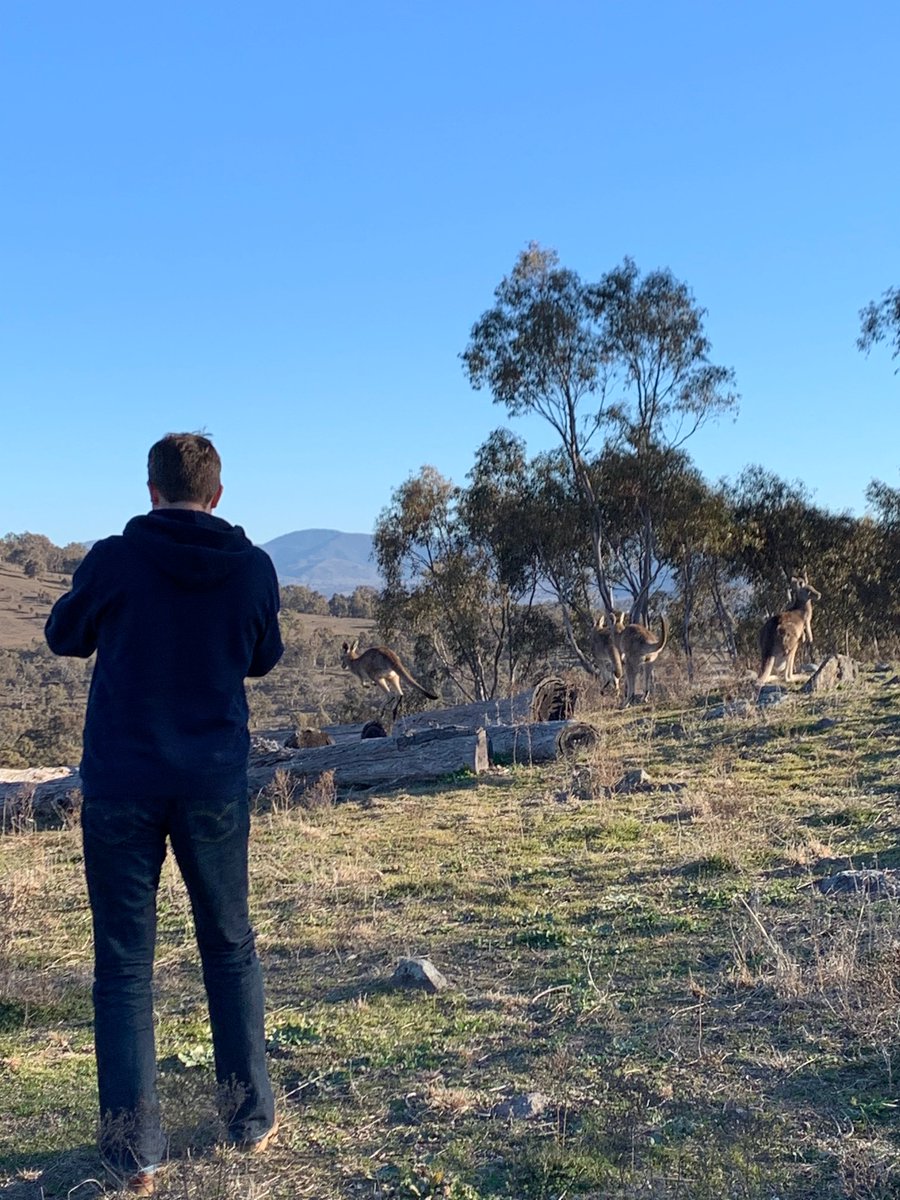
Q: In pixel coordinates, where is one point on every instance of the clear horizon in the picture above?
(280, 225)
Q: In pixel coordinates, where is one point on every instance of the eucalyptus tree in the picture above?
(455, 577)
(880, 321)
(617, 367)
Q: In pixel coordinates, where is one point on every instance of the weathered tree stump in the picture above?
(540, 742)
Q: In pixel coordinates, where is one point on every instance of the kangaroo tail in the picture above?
(616, 656)
(415, 683)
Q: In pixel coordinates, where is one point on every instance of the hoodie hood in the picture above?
(196, 549)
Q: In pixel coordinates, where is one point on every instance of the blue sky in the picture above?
(279, 222)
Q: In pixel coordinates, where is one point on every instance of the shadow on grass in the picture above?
(76, 1172)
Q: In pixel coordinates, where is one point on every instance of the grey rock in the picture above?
(522, 1107)
(771, 694)
(882, 668)
(835, 670)
(640, 781)
(822, 725)
(634, 781)
(419, 973)
(734, 708)
(879, 884)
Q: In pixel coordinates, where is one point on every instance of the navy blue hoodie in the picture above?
(180, 609)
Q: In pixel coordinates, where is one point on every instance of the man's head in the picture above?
(183, 469)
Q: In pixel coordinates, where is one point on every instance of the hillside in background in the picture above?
(25, 605)
(324, 559)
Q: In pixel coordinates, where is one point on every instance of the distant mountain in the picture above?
(324, 559)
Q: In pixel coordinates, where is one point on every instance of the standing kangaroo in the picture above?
(639, 648)
(380, 666)
(605, 648)
(781, 635)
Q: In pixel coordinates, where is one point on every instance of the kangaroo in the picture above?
(605, 648)
(380, 666)
(781, 635)
(639, 647)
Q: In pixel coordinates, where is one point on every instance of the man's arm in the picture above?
(269, 647)
(71, 628)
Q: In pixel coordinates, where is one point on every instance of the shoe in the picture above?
(256, 1145)
(141, 1184)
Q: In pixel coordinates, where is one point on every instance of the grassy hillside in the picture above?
(25, 605)
(700, 1022)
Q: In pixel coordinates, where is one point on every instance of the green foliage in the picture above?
(197, 1054)
(37, 555)
(625, 359)
(880, 322)
(296, 597)
(455, 580)
(422, 1182)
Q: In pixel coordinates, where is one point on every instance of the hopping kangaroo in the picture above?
(639, 648)
(780, 637)
(380, 666)
(605, 648)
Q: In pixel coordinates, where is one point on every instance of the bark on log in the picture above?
(540, 741)
(416, 756)
(551, 699)
(39, 796)
(383, 760)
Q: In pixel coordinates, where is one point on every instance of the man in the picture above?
(179, 609)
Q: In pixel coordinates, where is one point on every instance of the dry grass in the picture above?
(703, 1023)
(25, 605)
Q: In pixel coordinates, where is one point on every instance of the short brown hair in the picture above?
(184, 467)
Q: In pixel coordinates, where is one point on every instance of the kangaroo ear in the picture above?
(345, 645)
(355, 645)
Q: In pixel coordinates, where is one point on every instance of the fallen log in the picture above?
(540, 741)
(551, 699)
(37, 798)
(382, 760)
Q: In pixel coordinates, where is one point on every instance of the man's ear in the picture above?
(216, 498)
(155, 496)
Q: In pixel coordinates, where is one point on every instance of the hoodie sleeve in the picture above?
(71, 628)
(269, 647)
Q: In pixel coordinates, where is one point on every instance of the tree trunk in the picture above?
(401, 760)
(540, 742)
(550, 699)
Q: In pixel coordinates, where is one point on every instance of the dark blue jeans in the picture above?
(124, 849)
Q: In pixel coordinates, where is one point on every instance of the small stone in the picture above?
(770, 695)
(734, 708)
(521, 1108)
(634, 781)
(822, 725)
(419, 973)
